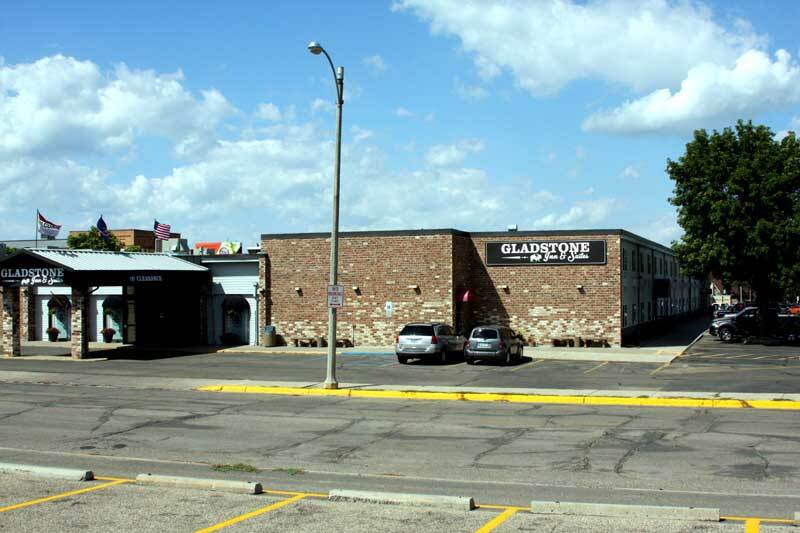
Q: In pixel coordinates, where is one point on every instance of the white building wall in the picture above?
(43, 295)
(231, 278)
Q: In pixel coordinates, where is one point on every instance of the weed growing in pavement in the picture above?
(238, 467)
(291, 471)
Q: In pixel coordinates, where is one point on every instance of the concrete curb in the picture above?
(625, 511)
(399, 498)
(70, 474)
(647, 399)
(219, 485)
(691, 344)
(797, 519)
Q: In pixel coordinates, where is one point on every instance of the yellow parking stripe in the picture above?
(659, 369)
(528, 365)
(601, 365)
(62, 495)
(241, 518)
(621, 401)
(752, 526)
(759, 518)
(497, 520)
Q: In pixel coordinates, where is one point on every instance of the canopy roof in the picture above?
(92, 260)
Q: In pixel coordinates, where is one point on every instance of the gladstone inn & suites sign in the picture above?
(32, 276)
(524, 253)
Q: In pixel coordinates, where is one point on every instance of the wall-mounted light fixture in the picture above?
(356, 289)
(298, 290)
(503, 288)
(579, 287)
(413, 287)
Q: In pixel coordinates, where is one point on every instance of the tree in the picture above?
(92, 240)
(132, 248)
(738, 199)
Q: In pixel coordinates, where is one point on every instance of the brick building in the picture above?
(145, 239)
(592, 284)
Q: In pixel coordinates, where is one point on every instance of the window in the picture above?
(420, 330)
(633, 315)
(624, 315)
(624, 259)
(649, 310)
(641, 312)
(484, 333)
(649, 258)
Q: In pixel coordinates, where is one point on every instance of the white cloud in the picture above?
(471, 93)
(60, 105)
(360, 134)
(664, 229)
(547, 44)
(709, 92)
(630, 172)
(580, 153)
(403, 112)
(588, 191)
(324, 106)
(444, 155)
(582, 215)
(375, 62)
(269, 112)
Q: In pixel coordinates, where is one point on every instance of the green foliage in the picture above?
(738, 198)
(132, 248)
(92, 240)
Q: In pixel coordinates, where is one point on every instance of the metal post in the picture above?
(330, 379)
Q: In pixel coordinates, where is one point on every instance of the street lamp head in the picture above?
(315, 48)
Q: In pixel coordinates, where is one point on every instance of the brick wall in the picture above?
(383, 268)
(540, 302)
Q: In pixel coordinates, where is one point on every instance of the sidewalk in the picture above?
(660, 354)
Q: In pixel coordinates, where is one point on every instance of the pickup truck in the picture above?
(747, 323)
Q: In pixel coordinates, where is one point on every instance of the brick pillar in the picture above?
(80, 322)
(11, 330)
(264, 297)
(27, 305)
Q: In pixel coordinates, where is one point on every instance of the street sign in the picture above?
(335, 295)
(389, 309)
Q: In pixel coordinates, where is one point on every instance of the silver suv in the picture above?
(428, 340)
(493, 342)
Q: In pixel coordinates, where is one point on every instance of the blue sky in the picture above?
(215, 119)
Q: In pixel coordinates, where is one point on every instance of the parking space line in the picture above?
(257, 512)
(601, 365)
(659, 369)
(106, 478)
(295, 493)
(752, 525)
(528, 365)
(497, 520)
(62, 495)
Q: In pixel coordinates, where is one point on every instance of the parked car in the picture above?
(428, 340)
(741, 324)
(748, 323)
(493, 342)
(729, 310)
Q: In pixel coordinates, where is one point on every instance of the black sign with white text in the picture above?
(546, 253)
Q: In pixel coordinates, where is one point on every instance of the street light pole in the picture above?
(338, 75)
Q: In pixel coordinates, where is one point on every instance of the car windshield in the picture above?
(421, 330)
(484, 334)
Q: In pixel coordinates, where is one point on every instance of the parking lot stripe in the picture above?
(622, 401)
(294, 493)
(528, 365)
(497, 520)
(257, 512)
(752, 525)
(659, 369)
(601, 365)
(759, 518)
(61, 495)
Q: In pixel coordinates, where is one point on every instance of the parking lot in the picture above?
(109, 503)
(711, 350)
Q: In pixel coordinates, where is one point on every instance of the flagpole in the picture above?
(36, 232)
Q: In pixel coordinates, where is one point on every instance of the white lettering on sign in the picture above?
(33, 276)
(335, 295)
(544, 252)
(140, 279)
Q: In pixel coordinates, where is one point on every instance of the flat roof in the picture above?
(456, 232)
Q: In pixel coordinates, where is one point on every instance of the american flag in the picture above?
(162, 231)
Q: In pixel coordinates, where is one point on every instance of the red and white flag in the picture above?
(162, 231)
(47, 228)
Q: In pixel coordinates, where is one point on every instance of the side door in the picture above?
(447, 335)
(747, 322)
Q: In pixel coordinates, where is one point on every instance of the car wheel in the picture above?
(443, 360)
(402, 359)
(725, 334)
(469, 360)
